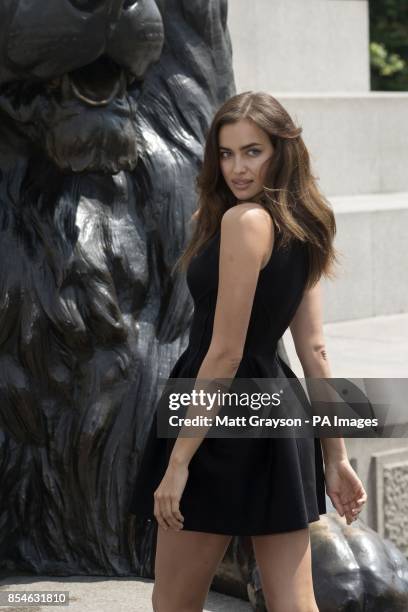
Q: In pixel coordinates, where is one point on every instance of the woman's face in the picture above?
(245, 150)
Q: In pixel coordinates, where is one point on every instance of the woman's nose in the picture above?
(239, 165)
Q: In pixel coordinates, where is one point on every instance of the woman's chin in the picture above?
(247, 196)
(244, 194)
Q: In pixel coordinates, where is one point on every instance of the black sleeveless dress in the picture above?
(241, 486)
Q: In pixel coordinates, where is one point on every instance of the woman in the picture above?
(263, 237)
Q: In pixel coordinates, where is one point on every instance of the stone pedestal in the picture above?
(300, 45)
(314, 58)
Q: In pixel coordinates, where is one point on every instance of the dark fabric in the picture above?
(242, 486)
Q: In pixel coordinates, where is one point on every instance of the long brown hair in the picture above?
(290, 192)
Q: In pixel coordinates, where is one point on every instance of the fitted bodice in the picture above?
(278, 293)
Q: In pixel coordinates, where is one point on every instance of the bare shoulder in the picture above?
(247, 228)
(249, 216)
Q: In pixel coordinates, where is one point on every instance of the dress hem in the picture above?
(295, 526)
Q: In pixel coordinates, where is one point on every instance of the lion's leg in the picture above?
(185, 564)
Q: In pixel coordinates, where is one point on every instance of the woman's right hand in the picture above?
(167, 497)
(345, 489)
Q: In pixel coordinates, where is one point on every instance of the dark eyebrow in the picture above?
(253, 144)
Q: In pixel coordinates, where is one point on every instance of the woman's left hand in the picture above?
(345, 489)
(167, 497)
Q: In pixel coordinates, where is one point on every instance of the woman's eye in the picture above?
(251, 153)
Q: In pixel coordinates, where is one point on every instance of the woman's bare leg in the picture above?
(285, 566)
(185, 564)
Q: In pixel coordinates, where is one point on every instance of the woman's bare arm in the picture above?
(307, 332)
(245, 241)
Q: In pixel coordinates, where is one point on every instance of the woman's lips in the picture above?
(241, 184)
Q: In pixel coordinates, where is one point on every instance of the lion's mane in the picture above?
(90, 316)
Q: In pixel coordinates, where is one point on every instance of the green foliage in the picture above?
(389, 44)
(385, 63)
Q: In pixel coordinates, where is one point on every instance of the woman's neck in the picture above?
(257, 198)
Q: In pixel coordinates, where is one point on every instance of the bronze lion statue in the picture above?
(104, 105)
